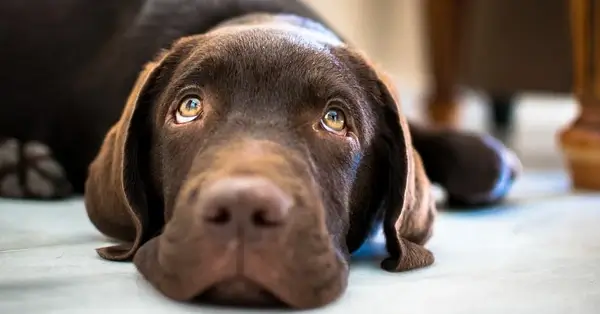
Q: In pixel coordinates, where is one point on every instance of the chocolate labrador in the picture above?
(256, 151)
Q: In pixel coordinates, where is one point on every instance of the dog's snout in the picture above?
(246, 202)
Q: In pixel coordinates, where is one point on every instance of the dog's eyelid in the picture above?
(189, 90)
(349, 105)
(337, 101)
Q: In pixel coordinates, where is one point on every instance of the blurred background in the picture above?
(507, 57)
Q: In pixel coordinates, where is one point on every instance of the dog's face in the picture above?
(260, 158)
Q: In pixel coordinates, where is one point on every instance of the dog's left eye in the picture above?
(334, 120)
(189, 109)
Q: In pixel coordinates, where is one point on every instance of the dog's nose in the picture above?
(247, 202)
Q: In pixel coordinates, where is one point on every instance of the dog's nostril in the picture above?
(260, 218)
(248, 202)
(220, 217)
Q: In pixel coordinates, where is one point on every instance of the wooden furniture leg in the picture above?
(501, 116)
(443, 29)
(580, 140)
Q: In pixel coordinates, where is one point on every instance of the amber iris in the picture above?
(189, 109)
(334, 120)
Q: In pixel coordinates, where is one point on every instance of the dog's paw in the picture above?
(509, 169)
(28, 170)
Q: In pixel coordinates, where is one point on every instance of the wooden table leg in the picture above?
(443, 27)
(580, 141)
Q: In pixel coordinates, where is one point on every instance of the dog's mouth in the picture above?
(301, 270)
(239, 291)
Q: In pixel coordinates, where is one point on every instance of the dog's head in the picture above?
(249, 163)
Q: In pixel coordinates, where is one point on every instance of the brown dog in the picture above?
(251, 160)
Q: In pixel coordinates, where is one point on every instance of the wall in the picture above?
(390, 31)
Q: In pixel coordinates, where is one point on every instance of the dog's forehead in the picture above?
(269, 44)
(284, 57)
(284, 35)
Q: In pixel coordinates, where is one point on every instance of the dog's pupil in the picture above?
(192, 104)
(333, 116)
(335, 119)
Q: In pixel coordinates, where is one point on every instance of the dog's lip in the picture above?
(286, 293)
(276, 293)
(191, 283)
(233, 291)
(270, 295)
(299, 296)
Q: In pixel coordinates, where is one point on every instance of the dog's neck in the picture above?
(295, 24)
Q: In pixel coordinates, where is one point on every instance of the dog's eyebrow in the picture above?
(193, 66)
(330, 78)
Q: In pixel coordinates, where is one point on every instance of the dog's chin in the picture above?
(267, 279)
(240, 292)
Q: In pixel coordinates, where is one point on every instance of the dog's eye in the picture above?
(189, 109)
(334, 120)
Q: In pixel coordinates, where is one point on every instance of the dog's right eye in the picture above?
(189, 109)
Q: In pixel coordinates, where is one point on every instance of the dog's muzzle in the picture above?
(248, 231)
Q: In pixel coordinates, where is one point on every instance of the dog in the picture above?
(240, 151)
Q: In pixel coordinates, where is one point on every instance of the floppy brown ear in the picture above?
(410, 207)
(407, 206)
(115, 190)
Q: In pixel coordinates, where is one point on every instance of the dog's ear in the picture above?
(409, 206)
(116, 197)
(401, 196)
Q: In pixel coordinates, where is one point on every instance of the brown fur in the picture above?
(309, 258)
(265, 80)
